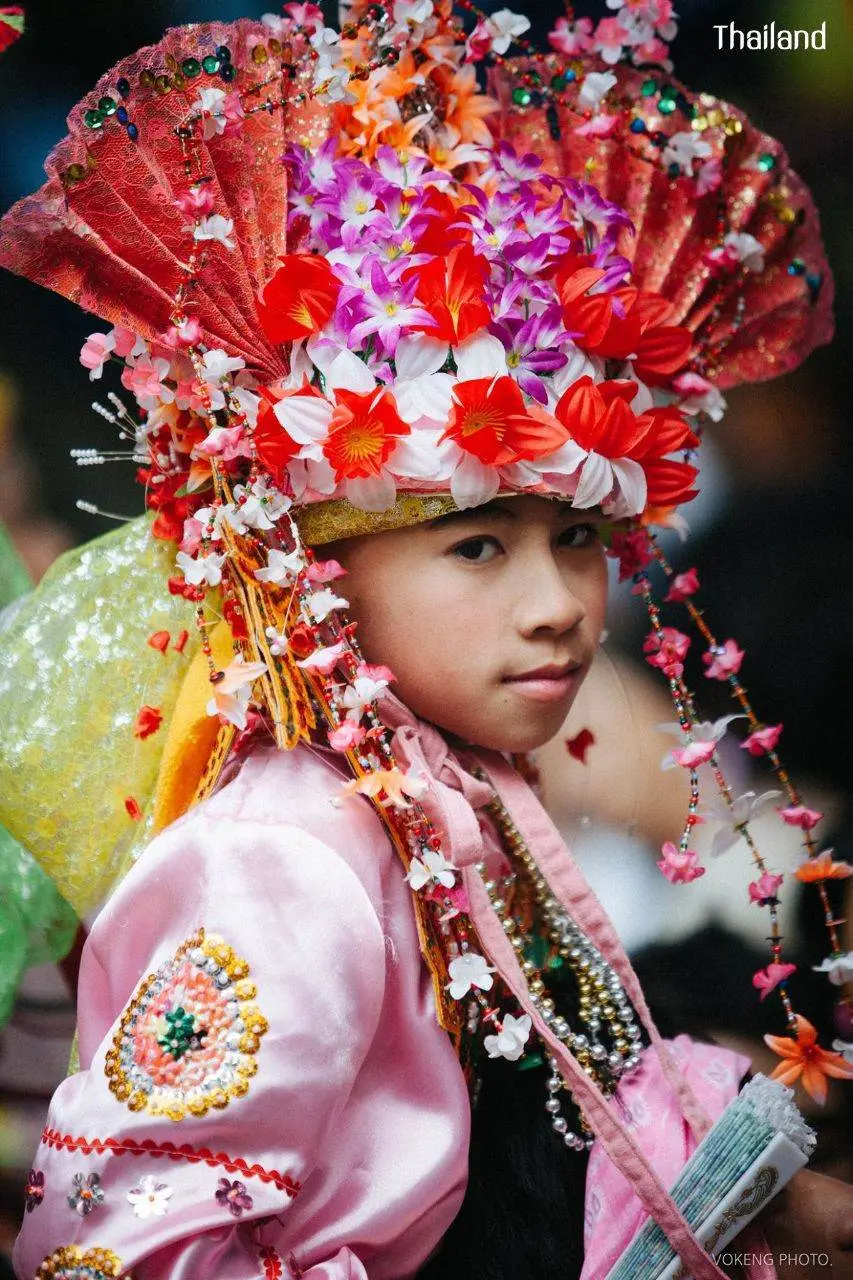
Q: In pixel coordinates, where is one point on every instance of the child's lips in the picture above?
(547, 684)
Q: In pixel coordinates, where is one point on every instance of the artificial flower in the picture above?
(845, 1049)
(397, 786)
(196, 202)
(765, 889)
(682, 586)
(159, 640)
(571, 38)
(299, 298)
(702, 740)
(322, 603)
(451, 289)
(148, 721)
(467, 971)
(666, 648)
(489, 419)
(215, 227)
(699, 396)
(823, 867)
(95, 352)
(580, 744)
(325, 571)
(838, 967)
(361, 693)
(803, 1058)
(231, 693)
(683, 148)
(768, 979)
(762, 740)
(363, 430)
(150, 1197)
(347, 735)
(282, 568)
(723, 661)
(234, 1197)
(199, 569)
(595, 85)
(324, 659)
(680, 866)
(735, 815)
(505, 27)
(511, 1038)
(799, 815)
(431, 868)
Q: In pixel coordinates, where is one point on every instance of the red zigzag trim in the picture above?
(128, 1146)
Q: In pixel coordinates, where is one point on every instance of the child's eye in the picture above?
(580, 535)
(477, 550)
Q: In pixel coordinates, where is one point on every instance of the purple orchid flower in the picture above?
(385, 308)
(591, 207)
(531, 349)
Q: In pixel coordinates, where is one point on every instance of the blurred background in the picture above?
(772, 537)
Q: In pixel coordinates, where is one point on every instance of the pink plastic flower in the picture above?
(766, 980)
(682, 585)
(667, 649)
(348, 734)
(765, 889)
(724, 661)
(185, 334)
(798, 815)
(325, 571)
(196, 202)
(694, 754)
(95, 352)
(571, 38)
(679, 866)
(762, 740)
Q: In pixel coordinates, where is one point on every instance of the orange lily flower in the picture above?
(804, 1059)
(490, 419)
(823, 868)
(451, 289)
(362, 433)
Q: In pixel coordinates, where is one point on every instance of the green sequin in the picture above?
(666, 106)
(210, 64)
(191, 68)
(649, 88)
(559, 83)
(107, 105)
(93, 119)
(766, 162)
(522, 97)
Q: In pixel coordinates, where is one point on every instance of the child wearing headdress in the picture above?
(398, 390)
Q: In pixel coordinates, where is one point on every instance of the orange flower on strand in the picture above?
(299, 298)
(363, 430)
(804, 1059)
(452, 289)
(823, 868)
(273, 446)
(490, 420)
(395, 784)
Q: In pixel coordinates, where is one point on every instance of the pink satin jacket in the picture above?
(264, 1089)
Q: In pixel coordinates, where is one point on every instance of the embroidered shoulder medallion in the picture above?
(74, 1263)
(188, 1039)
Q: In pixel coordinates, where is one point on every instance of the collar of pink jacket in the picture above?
(679, 1099)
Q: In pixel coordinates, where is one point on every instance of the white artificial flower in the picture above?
(215, 227)
(260, 507)
(685, 147)
(839, 968)
(282, 567)
(595, 86)
(363, 691)
(233, 691)
(218, 364)
(322, 603)
(211, 105)
(510, 1040)
(467, 971)
(201, 569)
(504, 26)
(845, 1048)
(150, 1198)
(703, 735)
(432, 868)
(750, 252)
(744, 809)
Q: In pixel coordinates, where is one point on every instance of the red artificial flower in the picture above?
(627, 324)
(181, 641)
(490, 420)
(683, 586)
(159, 640)
(236, 619)
(273, 446)
(761, 740)
(362, 433)
(133, 809)
(441, 213)
(148, 721)
(768, 979)
(299, 298)
(451, 288)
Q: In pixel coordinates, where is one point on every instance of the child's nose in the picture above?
(549, 602)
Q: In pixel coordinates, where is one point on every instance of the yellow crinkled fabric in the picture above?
(75, 668)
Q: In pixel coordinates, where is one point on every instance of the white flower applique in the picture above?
(510, 1040)
(466, 972)
(150, 1198)
(432, 868)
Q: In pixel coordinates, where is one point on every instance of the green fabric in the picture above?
(37, 926)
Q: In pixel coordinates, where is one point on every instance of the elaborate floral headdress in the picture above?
(352, 291)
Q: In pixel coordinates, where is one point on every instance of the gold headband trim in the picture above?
(321, 522)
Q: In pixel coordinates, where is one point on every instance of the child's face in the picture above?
(466, 609)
